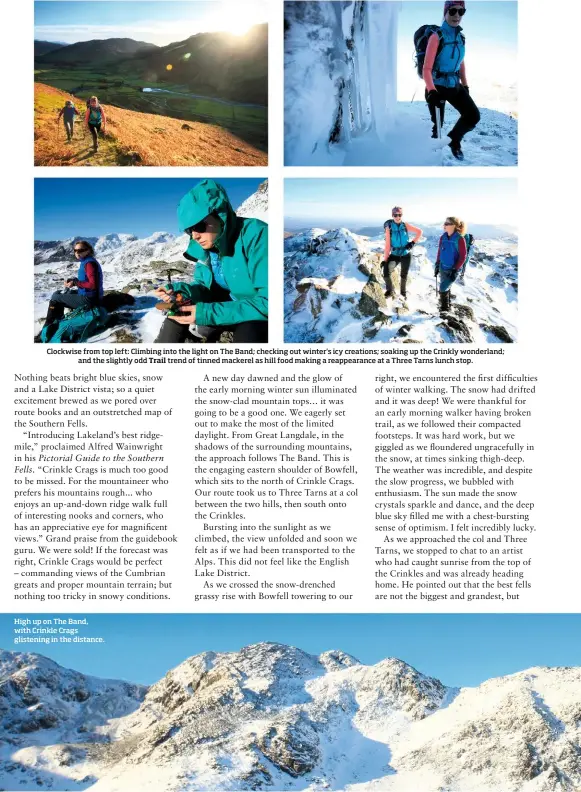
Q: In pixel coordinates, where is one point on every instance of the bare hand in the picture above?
(163, 294)
(188, 316)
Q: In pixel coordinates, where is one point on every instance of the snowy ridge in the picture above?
(274, 717)
(334, 291)
(131, 265)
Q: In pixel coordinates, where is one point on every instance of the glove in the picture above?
(384, 263)
(453, 275)
(410, 245)
(434, 98)
(437, 268)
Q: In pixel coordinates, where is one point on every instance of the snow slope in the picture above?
(132, 265)
(273, 717)
(341, 103)
(334, 292)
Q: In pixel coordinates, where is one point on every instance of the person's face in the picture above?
(449, 227)
(397, 217)
(454, 15)
(206, 232)
(93, 102)
(80, 251)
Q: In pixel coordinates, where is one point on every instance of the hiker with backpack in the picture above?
(95, 120)
(84, 291)
(68, 113)
(397, 250)
(229, 290)
(440, 53)
(451, 258)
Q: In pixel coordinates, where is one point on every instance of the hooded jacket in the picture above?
(242, 248)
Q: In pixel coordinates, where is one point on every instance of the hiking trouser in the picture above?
(461, 101)
(255, 332)
(94, 129)
(447, 278)
(61, 300)
(390, 265)
(69, 128)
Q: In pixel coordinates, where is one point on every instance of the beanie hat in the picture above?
(449, 3)
(396, 210)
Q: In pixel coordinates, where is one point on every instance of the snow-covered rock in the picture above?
(274, 717)
(334, 291)
(257, 205)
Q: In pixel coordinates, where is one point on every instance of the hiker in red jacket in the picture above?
(95, 120)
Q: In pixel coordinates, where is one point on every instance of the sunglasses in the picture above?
(448, 224)
(80, 250)
(199, 228)
(396, 215)
(457, 11)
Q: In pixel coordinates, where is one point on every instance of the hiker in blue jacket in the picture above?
(444, 73)
(450, 259)
(68, 113)
(84, 291)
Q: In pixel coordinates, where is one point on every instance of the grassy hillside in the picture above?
(125, 90)
(133, 138)
(96, 52)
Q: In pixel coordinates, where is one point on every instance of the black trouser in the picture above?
(390, 265)
(94, 130)
(61, 300)
(70, 128)
(255, 332)
(460, 100)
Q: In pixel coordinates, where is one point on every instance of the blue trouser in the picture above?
(447, 278)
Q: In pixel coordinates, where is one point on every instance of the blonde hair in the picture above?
(459, 225)
(95, 98)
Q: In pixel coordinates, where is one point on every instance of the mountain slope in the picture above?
(274, 717)
(43, 47)
(134, 138)
(96, 52)
(334, 292)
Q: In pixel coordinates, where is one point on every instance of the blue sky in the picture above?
(157, 22)
(490, 27)
(365, 202)
(93, 207)
(457, 649)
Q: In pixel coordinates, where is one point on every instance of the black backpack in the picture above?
(421, 38)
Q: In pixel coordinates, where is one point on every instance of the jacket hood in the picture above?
(206, 197)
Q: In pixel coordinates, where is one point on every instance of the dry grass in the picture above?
(134, 139)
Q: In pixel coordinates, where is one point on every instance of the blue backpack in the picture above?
(75, 327)
(399, 236)
(95, 116)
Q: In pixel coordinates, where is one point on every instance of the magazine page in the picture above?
(291, 438)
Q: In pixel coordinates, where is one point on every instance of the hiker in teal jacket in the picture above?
(229, 290)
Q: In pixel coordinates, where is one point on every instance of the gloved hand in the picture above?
(437, 268)
(434, 98)
(453, 275)
(384, 263)
(410, 245)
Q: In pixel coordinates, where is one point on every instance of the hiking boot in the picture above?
(388, 295)
(444, 302)
(456, 150)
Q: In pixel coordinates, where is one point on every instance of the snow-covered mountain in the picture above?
(334, 291)
(341, 103)
(274, 717)
(131, 265)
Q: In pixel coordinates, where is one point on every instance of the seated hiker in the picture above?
(451, 258)
(229, 290)
(397, 251)
(95, 120)
(84, 291)
(68, 113)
